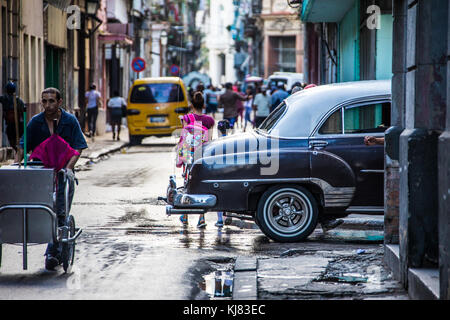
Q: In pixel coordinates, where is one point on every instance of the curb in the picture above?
(245, 279)
(97, 154)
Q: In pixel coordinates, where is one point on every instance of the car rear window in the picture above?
(333, 125)
(157, 93)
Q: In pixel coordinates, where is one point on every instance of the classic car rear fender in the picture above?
(334, 176)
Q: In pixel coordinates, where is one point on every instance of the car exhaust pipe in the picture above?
(171, 210)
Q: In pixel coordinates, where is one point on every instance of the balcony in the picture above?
(121, 28)
(325, 10)
(118, 33)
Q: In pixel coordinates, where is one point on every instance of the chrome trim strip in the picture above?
(258, 180)
(364, 209)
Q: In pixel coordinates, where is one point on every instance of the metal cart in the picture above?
(28, 211)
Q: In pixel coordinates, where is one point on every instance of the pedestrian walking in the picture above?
(39, 129)
(197, 118)
(248, 106)
(13, 108)
(223, 126)
(211, 100)
(239, 105)
(297, 86)
(296, 89)
(93, 102)
(262, 105)
(228, 103)
(278, 96)
(115, 106)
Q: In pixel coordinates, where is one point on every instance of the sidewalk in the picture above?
(100, 146)
(345, 263)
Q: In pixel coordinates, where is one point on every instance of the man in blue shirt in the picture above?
(39, 129)
(211, 100)
(278, 96)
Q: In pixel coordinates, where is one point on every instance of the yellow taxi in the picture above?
(154, 107)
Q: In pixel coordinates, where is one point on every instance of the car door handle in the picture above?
(318, 144)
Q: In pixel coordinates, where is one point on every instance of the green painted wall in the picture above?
(384, 48)
(349, 45)
(52, 67)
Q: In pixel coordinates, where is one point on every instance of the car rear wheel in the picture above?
(287, 213)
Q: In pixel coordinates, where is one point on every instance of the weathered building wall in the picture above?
(55, 30)
(444, 190)
(349, 45)
(220, 43)
(32, 54)
(281, 22)
(420, 97)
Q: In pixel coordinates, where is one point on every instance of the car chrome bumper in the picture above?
(183, 203)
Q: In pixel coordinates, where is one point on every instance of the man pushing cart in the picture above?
(40, 209)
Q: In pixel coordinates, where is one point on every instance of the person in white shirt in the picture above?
(92, 101)
(115, 106)
(262, 105)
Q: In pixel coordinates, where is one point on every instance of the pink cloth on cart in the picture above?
(54, 152)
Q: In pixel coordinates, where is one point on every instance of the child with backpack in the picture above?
(197, 129)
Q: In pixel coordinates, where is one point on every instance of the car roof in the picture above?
(326, 96)
(157, 80)
(311, 105)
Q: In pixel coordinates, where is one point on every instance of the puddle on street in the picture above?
(356, 235)
(218, 285)
(350, 278)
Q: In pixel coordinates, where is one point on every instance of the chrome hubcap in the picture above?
(288, 211)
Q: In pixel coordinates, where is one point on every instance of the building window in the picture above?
(285, 50)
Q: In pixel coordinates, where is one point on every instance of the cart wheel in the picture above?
(68, 248)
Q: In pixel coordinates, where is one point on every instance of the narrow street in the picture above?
(130, 249)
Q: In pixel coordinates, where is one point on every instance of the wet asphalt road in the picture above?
(130, 249)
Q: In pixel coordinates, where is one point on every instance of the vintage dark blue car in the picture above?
(305, 162)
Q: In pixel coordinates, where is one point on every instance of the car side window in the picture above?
(367, 118)
(333, 125)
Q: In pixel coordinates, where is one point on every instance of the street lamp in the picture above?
(92, 7)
